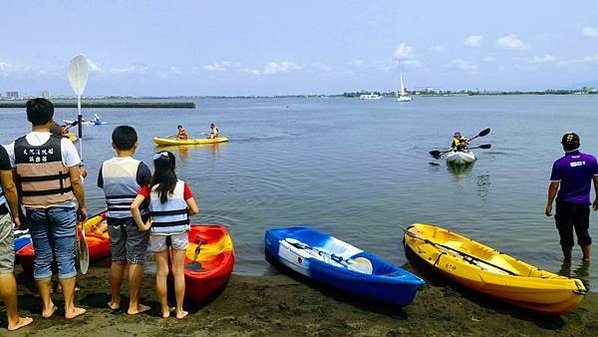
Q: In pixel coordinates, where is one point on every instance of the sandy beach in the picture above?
(285, 305)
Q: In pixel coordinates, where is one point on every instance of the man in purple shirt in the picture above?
(574, 173)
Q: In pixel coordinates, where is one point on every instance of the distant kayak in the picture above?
(99, 122)
(460, 157)
(197, 141)
(71, 136)
(72, 121)
(330, 261)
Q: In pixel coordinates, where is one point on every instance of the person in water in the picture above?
(571, 183)
(213, 131)
(170, 204)
(182, 133)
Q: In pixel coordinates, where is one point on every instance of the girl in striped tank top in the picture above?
(170, 204)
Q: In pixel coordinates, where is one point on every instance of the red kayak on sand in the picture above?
(99, 244)
(209, 261)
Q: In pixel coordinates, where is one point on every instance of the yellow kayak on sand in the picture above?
(491, 272)
(197, 141)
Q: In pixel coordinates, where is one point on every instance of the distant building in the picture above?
(44, 94)
(12, 94)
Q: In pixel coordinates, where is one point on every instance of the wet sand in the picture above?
(285, 305)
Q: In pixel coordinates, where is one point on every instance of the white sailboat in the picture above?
(402, 96)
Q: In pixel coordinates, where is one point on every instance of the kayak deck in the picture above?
(493, 273)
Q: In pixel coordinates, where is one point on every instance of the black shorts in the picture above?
(569, 216)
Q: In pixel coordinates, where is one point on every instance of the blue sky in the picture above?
(294, 47)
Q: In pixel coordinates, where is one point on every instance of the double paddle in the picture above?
(437, 153)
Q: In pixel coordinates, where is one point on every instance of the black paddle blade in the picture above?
(485, 146)
(484, 132)
(435, 154)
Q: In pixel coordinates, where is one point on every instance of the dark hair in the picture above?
(56, 129)
(164, 176)
(124, 137)
(39, 111)
(570, 141)
(212, 125)
(179, 126)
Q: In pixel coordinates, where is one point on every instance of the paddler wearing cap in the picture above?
(458, 141)
(570, 183)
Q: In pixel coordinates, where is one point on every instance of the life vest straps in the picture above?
(59, 176)
(62, 190)
(171, 223)
(167, 213)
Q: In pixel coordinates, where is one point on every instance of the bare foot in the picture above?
(166, 314)
(23, 321)
(48, 313)
(113, 305)
(76, 312)
(140, 309)
(181, 314)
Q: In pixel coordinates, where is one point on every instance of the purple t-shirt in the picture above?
(574, 171)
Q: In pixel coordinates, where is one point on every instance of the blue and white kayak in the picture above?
(330, 261)
(21, 239)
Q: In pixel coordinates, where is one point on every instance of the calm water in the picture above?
(359, 169)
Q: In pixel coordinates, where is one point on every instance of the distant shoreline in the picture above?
(100, 104)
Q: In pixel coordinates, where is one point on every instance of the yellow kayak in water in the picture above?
(197, 141)
(491, 272)
(72, 137)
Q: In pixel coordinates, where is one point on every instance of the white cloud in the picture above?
(502, 68)
(356, 62)
(511, 42)
(543, 59)
(404, 51)
(132, 69)
(216, 66)
(172, 72)
(589, 31)
(473, 40)
(321, 66)
(249, 71)
(6, 68)
(489, 59)
(462, 65)
(93, 67)
(585, 59)
(283, 67)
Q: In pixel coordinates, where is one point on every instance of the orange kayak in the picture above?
(209, 261)
(99, 244)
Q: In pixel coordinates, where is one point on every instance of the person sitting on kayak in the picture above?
(182, 134)
(96, 118)
(213, 131)
(463, 145)
(456, 142)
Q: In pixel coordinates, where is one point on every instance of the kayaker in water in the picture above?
(463, 145)
(9, 199)
(572, 176)
(182, 133)
(121, 178)
(170, 204)
(456, 141)
(213, 131)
